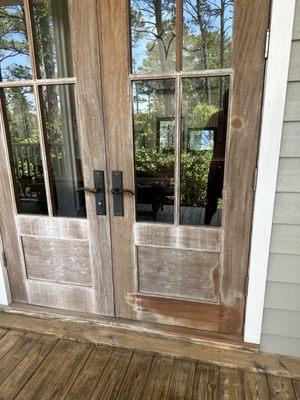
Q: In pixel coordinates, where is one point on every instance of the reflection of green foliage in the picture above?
(155, 162)
(194, 173)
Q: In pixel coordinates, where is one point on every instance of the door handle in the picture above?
(87, 189)
(118, 191)
(98, 190)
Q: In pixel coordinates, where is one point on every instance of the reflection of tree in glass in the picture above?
(153, 35)
(14, 59)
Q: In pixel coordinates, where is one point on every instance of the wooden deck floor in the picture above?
(35, 366)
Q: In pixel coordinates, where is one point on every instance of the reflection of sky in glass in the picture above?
(145, 35)
(208, 21)
(14, 55)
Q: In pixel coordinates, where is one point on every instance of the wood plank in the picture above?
(88, 377)
(54, 376)
(13, 357)
(2, 332)
(284, 268)
(9, 340)
(286, 209)
(26, 368)
(289, 174)
(58, 260)
(296, 385)
(231, 384)
(11, 241)
(290, 141)
(146, 339)
(179, 237)
(275, 299)
(251, 21)
(296, 32)
(176, 311)
(158, 382)
(292, 102)
(136, 376)
(113, 17)
(58, 228)
(111, 379)
(280, 389)
(85, 46)
(287, 345)
(294, 70)
(285, 239)
(182, 380)
(256, 387)
(178, 273)
(206, 382)
(195, 335)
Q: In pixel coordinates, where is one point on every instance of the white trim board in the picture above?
(282, 16)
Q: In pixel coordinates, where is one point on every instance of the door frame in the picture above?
(276, 79)
(282, 15)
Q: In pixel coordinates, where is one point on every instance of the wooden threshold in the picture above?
(176, 342)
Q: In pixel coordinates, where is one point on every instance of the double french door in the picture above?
(129, 145)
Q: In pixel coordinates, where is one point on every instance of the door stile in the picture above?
(11, 240)
(85, 47)
(248, 61)
(113, 18)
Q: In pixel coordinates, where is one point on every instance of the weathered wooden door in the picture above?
(182, 89)
(56, 238)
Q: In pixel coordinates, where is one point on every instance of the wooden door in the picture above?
(182, 90)
(57, 250)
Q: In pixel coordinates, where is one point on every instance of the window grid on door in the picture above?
(36, 83)
(178, 75)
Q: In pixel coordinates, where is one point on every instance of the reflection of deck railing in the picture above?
(27, 159)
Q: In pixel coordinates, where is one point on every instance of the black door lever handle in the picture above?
(119, 191)
(87, 189)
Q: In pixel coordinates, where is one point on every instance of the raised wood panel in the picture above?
(296, 30)
(248, 60)
(294, 71)
(292, 105)
(290, 142)
(178, 273)
(59, 228)
(62, 261)
(289, 175)
(282, 296)
(281, 322)
(287, 209)
(284, 268)
(64, 296)
(180, 237)
(280, 345)
(285, 239)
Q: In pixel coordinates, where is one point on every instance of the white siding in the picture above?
(281, 321)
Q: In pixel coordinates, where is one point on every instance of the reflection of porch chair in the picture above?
(150, 196)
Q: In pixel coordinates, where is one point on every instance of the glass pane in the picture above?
(153, 40)
(207, 34)
(203, 140)
(14, 53)
(20, 112)
(52, 31)
(154, 132)
(59, 114)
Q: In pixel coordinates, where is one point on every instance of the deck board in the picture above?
(35, 366)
